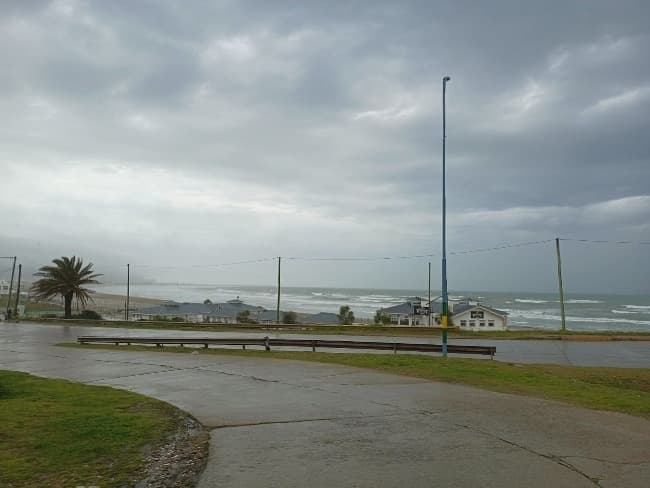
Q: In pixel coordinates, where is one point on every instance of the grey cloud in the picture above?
(327, 118)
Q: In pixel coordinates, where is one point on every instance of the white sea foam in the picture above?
(641, 308)
(375, 299)
(524, 310)
(545, 315)
(574, 301)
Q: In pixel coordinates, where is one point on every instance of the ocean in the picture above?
(629, 313)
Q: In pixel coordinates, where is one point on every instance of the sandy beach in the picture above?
(106, 302)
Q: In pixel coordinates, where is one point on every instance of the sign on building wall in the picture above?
(476, 314)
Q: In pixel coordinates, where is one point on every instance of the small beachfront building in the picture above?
(319, 318)
(269, 317)
(413, 312)
(478, 317)
(230, 312)
(218, 313)
(4, 287)
(188, 312)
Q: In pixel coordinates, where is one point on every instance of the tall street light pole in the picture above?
(445, 298)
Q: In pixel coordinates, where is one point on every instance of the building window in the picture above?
(482, 324)
(463, 323)
(472, 323)
(490, 324)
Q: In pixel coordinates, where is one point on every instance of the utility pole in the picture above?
(430, 308)
(277, 315)
(128, 291)
(559, 280)
(11, 287)
(20, 273)
(445, 299)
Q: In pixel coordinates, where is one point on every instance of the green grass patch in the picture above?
(37, 307)
(31, 307)
(57, 433)
(625, 390)
(368, 330)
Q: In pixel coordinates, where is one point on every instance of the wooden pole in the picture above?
(11, 287)
(128, 291)
(429, 319)
(277, 315)
(20, 273)
(559, 280)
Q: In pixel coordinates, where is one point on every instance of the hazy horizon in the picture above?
(434, 291)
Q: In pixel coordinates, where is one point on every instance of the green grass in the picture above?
(57, 433)
(42, 307)
(624, 390)
(369, 330)
(37, 307)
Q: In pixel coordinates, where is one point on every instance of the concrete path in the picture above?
(294, 424)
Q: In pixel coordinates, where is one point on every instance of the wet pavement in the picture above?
(282, 423)
(630, 354)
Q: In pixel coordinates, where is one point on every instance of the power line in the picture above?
(602, 241)
(205, 265)
(421, 256)
(365, 258)
(505, 246)
(373, 258)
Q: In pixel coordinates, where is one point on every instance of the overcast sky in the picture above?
(180, 133)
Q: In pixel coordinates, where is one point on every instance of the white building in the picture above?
(4, 287)
(479, 317)
(414, 312)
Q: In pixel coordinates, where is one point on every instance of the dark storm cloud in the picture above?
(323, 120)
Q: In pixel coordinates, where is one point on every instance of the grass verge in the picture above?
(57, 433)
(37, 307)
(368, 330)
(625, 390)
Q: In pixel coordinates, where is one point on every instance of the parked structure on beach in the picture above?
(476, 316)
(467, 314)
(4, 287)
(231, 312)
(318, 318)
(414, 312)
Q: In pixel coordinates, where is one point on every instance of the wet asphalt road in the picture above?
(631, 354)
(293, 424)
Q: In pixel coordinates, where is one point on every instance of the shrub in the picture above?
(345, 315)
(289, 318)
(382, 318)
(89, 315)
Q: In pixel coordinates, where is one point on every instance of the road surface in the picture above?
(281, 423)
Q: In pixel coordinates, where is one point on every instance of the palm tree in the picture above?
(65, 278)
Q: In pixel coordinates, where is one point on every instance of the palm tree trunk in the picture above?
(68, 305)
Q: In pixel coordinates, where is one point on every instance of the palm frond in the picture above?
(65, 276)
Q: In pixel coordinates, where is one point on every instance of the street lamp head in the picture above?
(446, 79)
